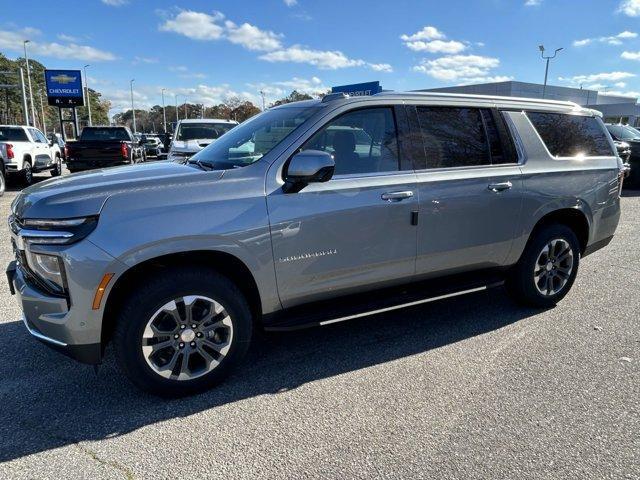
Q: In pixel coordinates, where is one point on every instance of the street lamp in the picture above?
(185, 108)
(133, 110)
(164, 114)
(86, 86)
(177, 119)
(26, 58)
(546, 70)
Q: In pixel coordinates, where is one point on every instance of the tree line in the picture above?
(234, 108)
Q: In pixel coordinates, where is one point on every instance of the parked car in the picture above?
(152, 145)
(631, 137)
(191, 136)
(57, 139)
(100, 147)
(271, 227)
(25, 151)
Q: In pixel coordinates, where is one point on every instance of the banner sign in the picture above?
(358, 89)
(64, 88)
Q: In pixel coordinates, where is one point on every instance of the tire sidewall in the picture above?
(141, 308)
(530, 257)
(57, 169)
(27, 172)
(3, 181)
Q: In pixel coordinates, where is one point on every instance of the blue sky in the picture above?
(210, 50)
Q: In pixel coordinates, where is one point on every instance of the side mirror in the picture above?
(308, 166)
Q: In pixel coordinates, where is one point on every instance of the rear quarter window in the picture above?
(571, 135)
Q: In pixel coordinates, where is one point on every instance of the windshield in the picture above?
(250, 141)
(624, 132)
(104, 134)
(12, 133)
(193, 131)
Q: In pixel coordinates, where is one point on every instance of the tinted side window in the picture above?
(35, 136)
(362, 141)
(571, 135)
(453, 137)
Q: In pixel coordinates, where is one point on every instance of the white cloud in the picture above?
(251, 37)
(630, 55)
(610, 40)
(427, 33)
(290, 3)
(381, 67)
(461, 68)
(620, 93)
(532, 3)
(323, 59)
(620, 84)
(630, 8)
(202, 26)
(195, 25)
(67, 38)
(148, 60)
(12, 40)
(598, 77)
(115, 3)
(436, 46)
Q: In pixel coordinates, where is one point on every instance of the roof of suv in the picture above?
(449, 98)
(207, 120)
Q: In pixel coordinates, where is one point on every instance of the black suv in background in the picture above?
(631, 136)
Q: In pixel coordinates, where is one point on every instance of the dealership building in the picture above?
(614, 108)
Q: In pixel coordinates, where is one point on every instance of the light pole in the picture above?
(164, 113)
(87, 95)
(133, 110)
(26, 58)
(177, 119)
(546, 70)
(262, 95)
(44, 119)
(185, 108)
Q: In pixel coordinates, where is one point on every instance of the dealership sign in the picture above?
(359, 89)
(64, 88)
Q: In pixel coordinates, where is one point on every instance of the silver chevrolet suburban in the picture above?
(307, 214)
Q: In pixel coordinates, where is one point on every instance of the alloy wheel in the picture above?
(187, 338)
(553, 267)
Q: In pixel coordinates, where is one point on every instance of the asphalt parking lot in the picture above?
(472, 387)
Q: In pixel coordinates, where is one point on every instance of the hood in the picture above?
(194, 145)
(84, 194)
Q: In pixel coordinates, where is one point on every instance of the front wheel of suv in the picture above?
(547, 269)
(183, 332)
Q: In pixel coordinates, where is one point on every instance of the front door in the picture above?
(354, 231)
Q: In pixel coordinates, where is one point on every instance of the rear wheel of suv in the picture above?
(183, 332)
(547, 269)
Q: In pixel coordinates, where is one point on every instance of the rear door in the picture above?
(355, 230)
(470, 190)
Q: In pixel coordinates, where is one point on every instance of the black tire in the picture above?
(56, 171)
(27, 173)
(156, 291)
(521, 281)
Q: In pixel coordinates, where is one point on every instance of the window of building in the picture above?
(571, 135)
(361, 141)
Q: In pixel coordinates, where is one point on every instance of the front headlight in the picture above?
(48, 268)
(54, 232)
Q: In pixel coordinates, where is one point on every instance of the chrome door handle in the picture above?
(396, 196)
(499, 187)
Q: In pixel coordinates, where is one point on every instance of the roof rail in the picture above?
(330, 97)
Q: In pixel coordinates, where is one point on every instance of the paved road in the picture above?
(473, 387)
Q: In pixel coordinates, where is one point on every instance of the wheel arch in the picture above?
(224, 263)
(574, 218)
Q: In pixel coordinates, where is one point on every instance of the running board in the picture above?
(303, 317)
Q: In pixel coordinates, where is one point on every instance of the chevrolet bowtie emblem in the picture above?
(63, 79)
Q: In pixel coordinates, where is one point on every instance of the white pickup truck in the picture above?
(25, 151)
